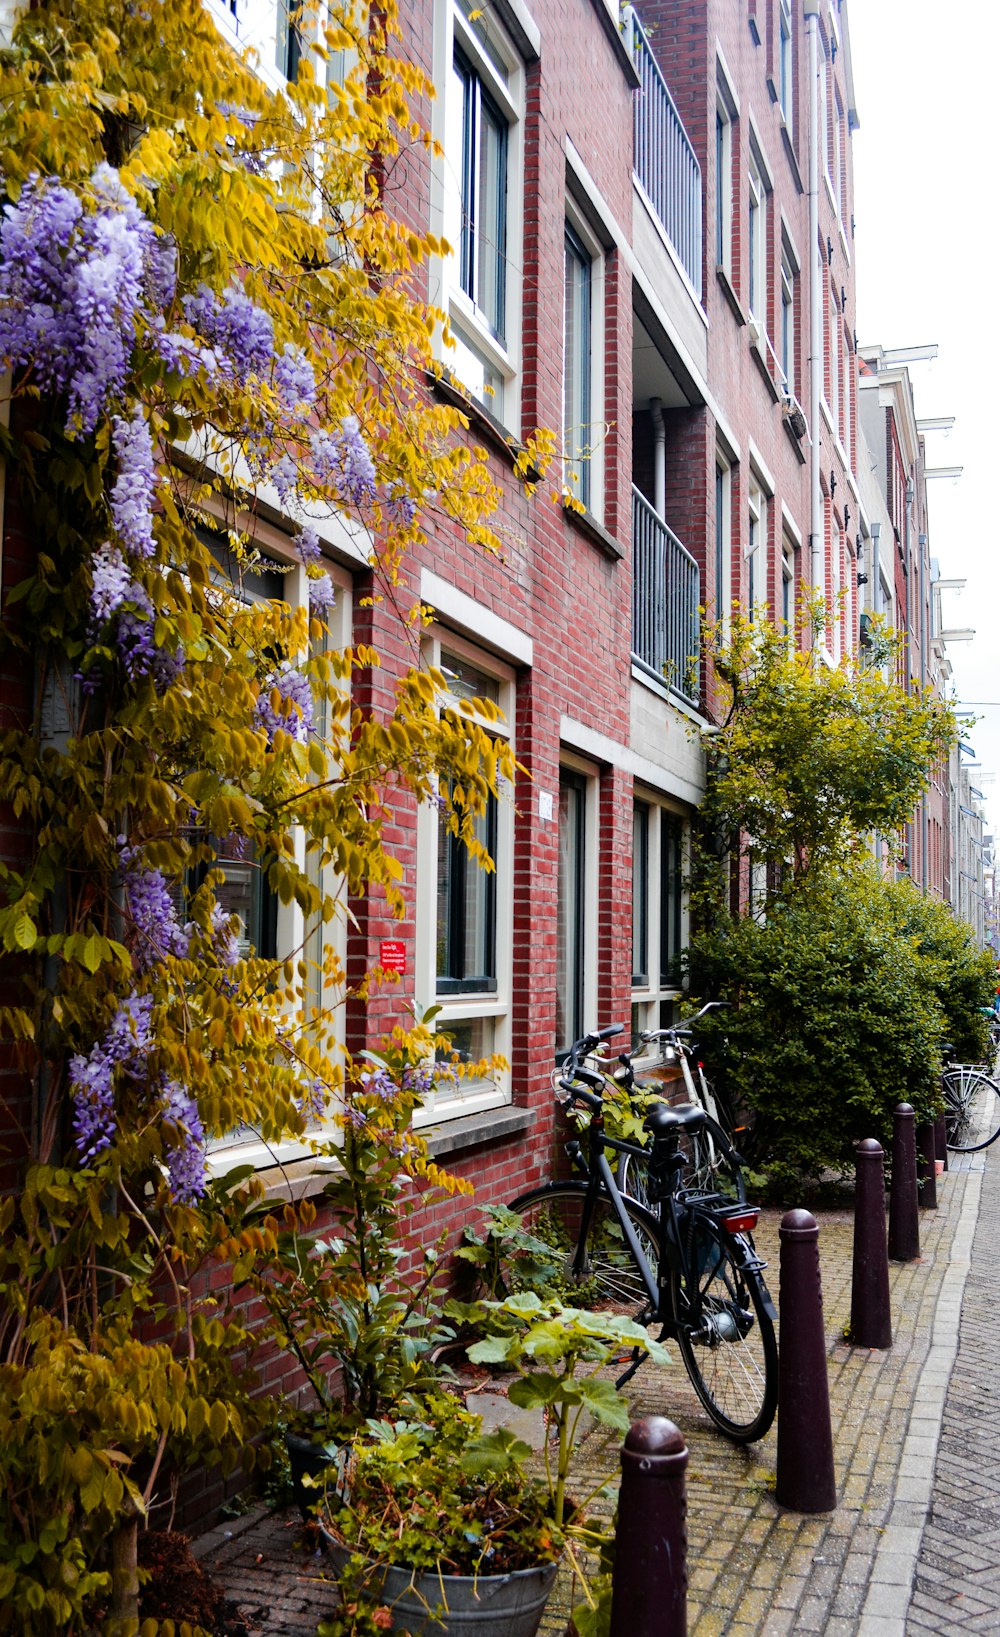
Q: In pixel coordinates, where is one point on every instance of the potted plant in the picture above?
(440, 1527)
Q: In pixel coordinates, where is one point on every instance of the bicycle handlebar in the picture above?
(649, 1035)
(574, 1077)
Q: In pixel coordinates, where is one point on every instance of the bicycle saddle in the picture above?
(664, 1121)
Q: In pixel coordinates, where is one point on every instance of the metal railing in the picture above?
(664, 161)
(666, 593)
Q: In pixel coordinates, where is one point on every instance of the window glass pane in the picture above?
(671, 882)
(466, 912)
(577, 386)
(640, 893)
(720, 180)
(491, 212)
(569, 917)
(465, 681)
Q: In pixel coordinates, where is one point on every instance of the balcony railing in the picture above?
(664, 160)
(666, 592)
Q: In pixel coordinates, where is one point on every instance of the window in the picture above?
(476, 201)
(788, 589)
(757, 550)
(834, 159)
(275, 930)
(723, 540)
(846, 405)
(483, 229)
(571, 918)
(465, 912)
(725, 114)
(787, 336)
(785, 61)
(833, 374)
(578, 298)
(658, 909)
(757, 247)
(290, 41)
(640, 895)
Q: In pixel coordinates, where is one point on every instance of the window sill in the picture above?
(617, 44)
(593, 531)
(793, 158)
(474, 1130)
(761, 361)
(795, 442)
(480, 420)
(729, 292)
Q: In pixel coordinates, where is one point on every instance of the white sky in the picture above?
(927, 238)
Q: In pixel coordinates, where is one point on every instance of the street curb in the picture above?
(891, 1584)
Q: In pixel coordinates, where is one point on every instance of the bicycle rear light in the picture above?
(743, 1221)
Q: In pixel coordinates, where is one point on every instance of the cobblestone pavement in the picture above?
(958, 1581)
(754, 1570)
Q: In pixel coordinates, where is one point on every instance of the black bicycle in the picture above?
(685, 1262)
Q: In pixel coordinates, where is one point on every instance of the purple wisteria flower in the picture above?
(322, 596)
(306, 543)
(402, 508)
(294, 380)
(284, 476)
(311, 1104)
(73, 285)
(379, 1083)
(186, 1146)
(294, 713)
(238, 329)
(343, 461)
(158, 931)
(127, 1041)
(113, 584)
(132, 495)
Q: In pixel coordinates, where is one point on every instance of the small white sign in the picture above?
(545, 806)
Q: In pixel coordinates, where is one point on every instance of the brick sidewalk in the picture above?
(755, 1571)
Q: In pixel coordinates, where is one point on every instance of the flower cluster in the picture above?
(73, 284)
(225, 942)
(186, 1144)
(116, 595)
(343, 462)
(158, 931)
(286, 704)
(132, 495)
(294, 380)
(241, 334)
(128, 1039)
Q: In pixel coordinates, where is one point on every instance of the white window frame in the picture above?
(756, 552)
(259, 26)
(486, 365)
(292, 933)
(847, 406)
(758, 291)
(568, 763)
(788, 589)
(834, 331)
(458, 1097)
(723, 542)
(787, 337)
(726, 110)
(786, 64)
(594, 455)
(650, 999)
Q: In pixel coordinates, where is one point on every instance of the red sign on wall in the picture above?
(392, 955)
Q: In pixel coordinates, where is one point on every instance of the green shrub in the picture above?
(841, 1000)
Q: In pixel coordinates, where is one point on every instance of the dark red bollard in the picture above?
(649, 1584)
(926, 1168)
(941, 1141)
(871, 1316)
(904, 1227)
(805, 1438)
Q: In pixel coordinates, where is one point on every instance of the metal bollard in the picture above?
(871, 1316)
(941, 1140)
(926, 1168)
(649, 1584)
(806, 1481)
(904, 1228)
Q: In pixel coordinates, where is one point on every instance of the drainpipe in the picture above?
(924, 679)
(659, 458)
(811, 14)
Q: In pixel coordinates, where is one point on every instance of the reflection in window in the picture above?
(483, 232)
(640, 894)
(466, 911)
(570, 911)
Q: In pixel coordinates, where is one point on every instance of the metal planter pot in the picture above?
(453, 1605)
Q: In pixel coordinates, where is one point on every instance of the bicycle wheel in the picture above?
(710, 1166)
(972, 1108)
(545, 1256)
(726, 1335)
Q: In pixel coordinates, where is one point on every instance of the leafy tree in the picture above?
(811, 758)
(205, 302)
